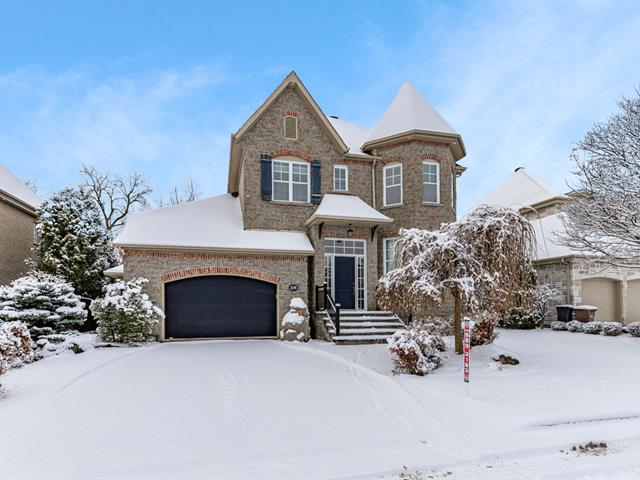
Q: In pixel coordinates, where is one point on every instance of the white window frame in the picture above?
(384, 185)
(362, 257)
(385, 258)
(437, 164)
(346, 178)
(290, 181)
(284, 127)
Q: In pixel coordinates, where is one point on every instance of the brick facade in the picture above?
(16, 240)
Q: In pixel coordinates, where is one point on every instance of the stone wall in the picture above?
(16, 241)
(161, 266)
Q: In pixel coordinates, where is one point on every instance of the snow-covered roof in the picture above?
(409, 111)
(16, 188)
(353, 135)
(545, 230)
(520, 190)
(213, 223)
(115, 272)
(347, 209)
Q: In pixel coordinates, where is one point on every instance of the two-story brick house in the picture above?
(18, 206)
(311, 199)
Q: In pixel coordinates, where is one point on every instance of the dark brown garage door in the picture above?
(220, 306)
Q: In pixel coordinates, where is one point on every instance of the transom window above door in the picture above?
(290, 181)
(340, 178)
(392, 185)
(430, 182)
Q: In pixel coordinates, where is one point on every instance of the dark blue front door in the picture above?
(345, 281)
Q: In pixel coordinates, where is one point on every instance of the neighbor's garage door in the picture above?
(220, 306)
(633, 300)
(604, 294)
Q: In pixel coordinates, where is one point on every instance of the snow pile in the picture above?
(415, 351)
(59, 344)
(125, 314)
(47, 303)
(15, 346)
(295, 323)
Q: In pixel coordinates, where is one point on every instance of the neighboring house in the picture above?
(311, 199)
(615, 291)
(18, 206)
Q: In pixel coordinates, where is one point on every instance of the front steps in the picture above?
(366, 327)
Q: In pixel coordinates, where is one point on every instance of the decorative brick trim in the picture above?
(285, 152)
(237, 271)
(344, 161)
(392, 159)
(290, 113)
(388, 234)
(211, 256)
(384, 148)
(430, 156)
(338, 234)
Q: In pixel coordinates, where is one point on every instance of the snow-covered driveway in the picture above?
(259, 409)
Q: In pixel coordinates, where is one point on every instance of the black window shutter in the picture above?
(315, 182)
(265, 174)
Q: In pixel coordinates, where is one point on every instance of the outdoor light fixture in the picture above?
(349, 232)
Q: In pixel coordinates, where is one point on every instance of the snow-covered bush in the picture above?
(559, 326)
(593, 328)
(439, 326)
(633, 329)
(15, 345)
(73, 242)
(415, 351)
(45, 302)
(483, 330)
(520, 319)
(612, 329)
(295, 323)
(575, 326)
(125, 314)
(58, 344)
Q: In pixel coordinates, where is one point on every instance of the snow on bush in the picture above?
(483, 330)
(612, 329)
(574, 326)
(58, 344)
(415, 351)
(442, 327)
(593, 328)
(520, 319)
(125, 314)
(15, 345)
(45, 302)
(559, 326)
(295, 323)
(633, 329)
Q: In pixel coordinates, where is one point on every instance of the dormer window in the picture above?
(290, 128)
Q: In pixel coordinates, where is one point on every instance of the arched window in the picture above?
(291, 128)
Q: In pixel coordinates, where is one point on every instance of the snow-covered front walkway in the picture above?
(266, 409)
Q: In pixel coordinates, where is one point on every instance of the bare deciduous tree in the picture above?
(484, 261)
(188, 193)
(603, 216)
(115, 195)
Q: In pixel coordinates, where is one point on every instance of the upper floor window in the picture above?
(389, 254)
(392, 184)
(291, 128)
(430, 182)
(290, 181)
(340, 178)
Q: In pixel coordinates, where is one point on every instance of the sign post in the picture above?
(466, 353)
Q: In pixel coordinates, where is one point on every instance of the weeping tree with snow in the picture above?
(603, 216)
(46, 303)
(73, 242)
(484, 262)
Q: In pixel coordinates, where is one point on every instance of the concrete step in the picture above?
(366, 324)
(366, 313)
(360, 339)
(367, 331)
(370, 319)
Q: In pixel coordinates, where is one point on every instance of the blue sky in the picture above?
(158, 88)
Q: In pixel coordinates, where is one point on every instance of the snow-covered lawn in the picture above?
(267, 409)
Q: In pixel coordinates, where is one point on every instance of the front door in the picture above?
(345, 281)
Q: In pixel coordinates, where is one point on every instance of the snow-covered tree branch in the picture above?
(603, 216)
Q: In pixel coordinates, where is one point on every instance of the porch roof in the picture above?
(346, 209)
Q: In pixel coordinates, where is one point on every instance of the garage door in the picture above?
(604, 294)
(633, 300)
(220, 306)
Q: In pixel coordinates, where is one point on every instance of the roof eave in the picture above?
(454, 141)
(355, 221)
(274, 251)
(18, 203)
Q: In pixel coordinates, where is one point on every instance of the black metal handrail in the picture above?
(324, 301)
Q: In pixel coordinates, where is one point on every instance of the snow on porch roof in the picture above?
(346, 209)
(15, 187)
(213, 223)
